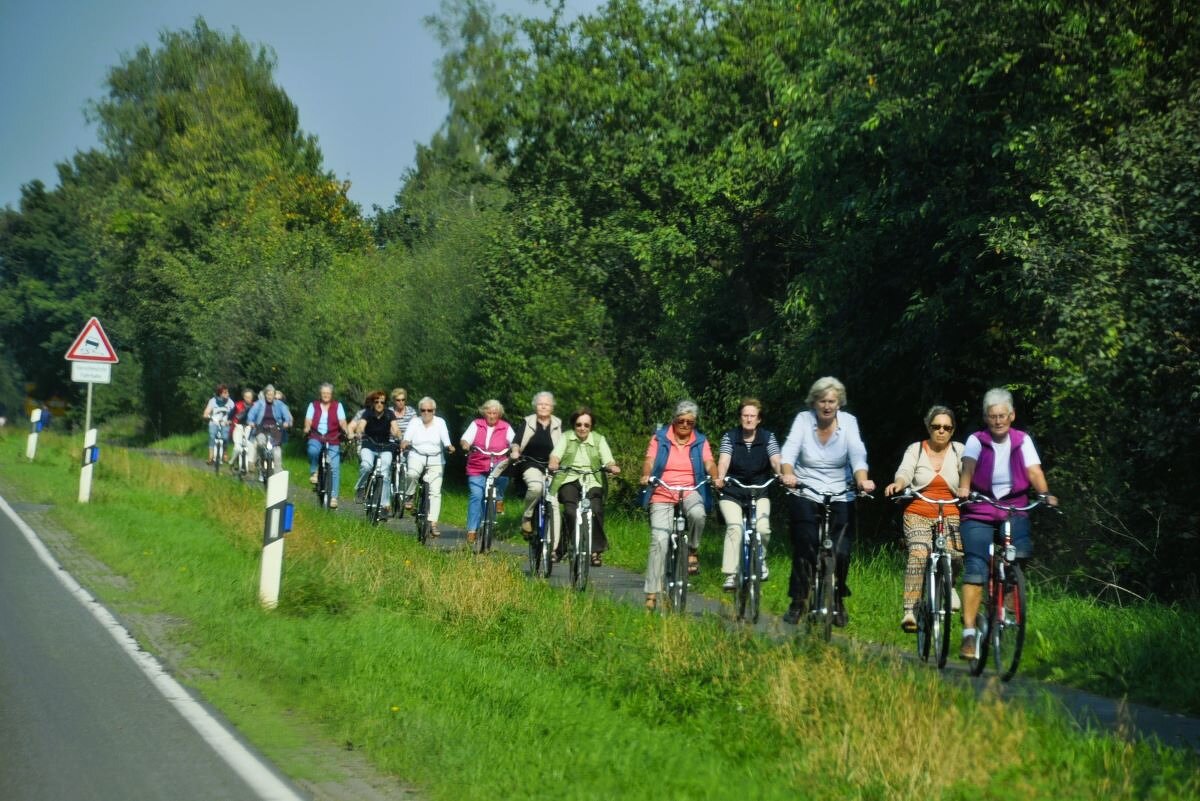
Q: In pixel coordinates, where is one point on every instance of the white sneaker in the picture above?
(766, 572)
(729, 585)
(955, 604)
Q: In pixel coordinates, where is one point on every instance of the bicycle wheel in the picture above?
(976, 665)
(749, 591)
(582, 562)
(422, 516)
(828, 592)
(924, 613)
(941, 612)
(1008, 622)
(218, 456)
(483, 542)
(544, 532)
(375, 499)
(679, 577)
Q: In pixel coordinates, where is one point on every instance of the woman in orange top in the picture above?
(932, 467)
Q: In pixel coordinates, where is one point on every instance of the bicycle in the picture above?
(324, 485)
(933, 611)
(748, 578)
(373, 489)
(675, 570)
(266, 451)
(241, 463)
(487, 527)
(579, 546)
(541, 542)
(420, 501)
(1002, 629)
(219, 446)
(823, 589)
(398, 476)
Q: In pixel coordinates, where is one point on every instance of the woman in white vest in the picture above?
(534, 439)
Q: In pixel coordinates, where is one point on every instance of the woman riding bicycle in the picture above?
(324, 424)
(485, 437)
(1002, 463)
(751, 455)
(582, 449)
(679, 455)
(217, 412)
(536, 436)
(931, 466)
(405, 414)
(824, 451)
(376, 427)
(271, 417)
(424, 440)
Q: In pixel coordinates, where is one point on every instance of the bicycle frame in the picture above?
(374, 487)
(579, 556)
(219, 446)
(823, 591)
(487, 528)
(541, 544)
(1003, 614)
(747, 581)
(421, 496)
(933, 613)
(675, 579)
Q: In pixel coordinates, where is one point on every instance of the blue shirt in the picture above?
(828, 467)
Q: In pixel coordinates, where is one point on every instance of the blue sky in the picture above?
(360, 71)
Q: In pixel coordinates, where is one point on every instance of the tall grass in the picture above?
(462, 676)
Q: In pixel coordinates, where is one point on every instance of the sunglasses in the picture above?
(685, 423)
(941, 427)
(583, 425)
(425, 411)
(381, 402)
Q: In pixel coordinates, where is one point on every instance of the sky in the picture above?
(361, 72)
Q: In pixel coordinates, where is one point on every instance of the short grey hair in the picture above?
(491, 403)
(427, 400)
(325, 386)
(937, 410)
(997, 396)
(268, 388)
(686, 406)
(543, 394)
(822, 386)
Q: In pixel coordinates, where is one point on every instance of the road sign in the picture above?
(91, 373)
(92, 345)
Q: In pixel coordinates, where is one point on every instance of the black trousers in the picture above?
(804, 518)
(568, 498)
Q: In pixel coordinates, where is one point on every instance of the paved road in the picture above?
(80, 719)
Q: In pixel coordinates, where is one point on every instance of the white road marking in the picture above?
(252, 770)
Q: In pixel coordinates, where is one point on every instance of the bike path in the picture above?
(1088, 710)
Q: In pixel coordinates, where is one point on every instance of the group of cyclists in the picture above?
(821, 463)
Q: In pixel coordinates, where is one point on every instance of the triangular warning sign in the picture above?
(92, 345)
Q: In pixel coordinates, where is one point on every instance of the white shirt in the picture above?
(427, 440)
(829, 467)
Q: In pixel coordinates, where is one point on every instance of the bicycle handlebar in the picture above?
(665, 485)
(764, 485)
(580, 471)
(1038, 500)
(908, 493)
(477, 449)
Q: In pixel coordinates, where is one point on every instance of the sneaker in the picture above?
(527, 527)
(793, 613)
(730, 583)
(968, 647)
(909, 623)
(955, 603)
(312, 479)
(434, 530)
(765, 573)
(333, 503)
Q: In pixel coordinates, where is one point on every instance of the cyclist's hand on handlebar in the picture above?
(788, 479)
(613, 469)
(644, 480)
(1048, 499)
(892, 489)
(866, 486)
(719, 483)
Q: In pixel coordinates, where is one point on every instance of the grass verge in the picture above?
(465, 678)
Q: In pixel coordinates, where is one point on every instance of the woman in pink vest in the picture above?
(1001, 463)
(488, 434)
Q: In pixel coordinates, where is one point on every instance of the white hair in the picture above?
(997, 397)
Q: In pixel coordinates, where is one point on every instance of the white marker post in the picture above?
(91, 356)
(278, 521)
(91, 455)
(35, 427)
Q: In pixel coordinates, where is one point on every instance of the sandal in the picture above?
(693, 564)
(651, 603)
(596, 560)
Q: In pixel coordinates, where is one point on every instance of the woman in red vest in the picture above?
(324, 424)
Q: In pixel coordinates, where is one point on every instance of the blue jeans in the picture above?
(335, 461)
(475, 485)
(977, 536)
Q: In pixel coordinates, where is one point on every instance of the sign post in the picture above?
(276, 523)
(92, 357)
(35, 427)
